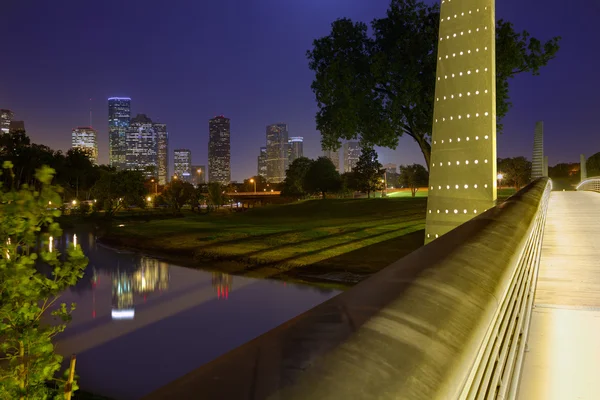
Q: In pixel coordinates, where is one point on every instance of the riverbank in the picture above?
(336, 241)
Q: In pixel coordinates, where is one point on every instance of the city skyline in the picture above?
(57, 97)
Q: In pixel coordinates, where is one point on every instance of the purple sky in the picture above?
(182, 62)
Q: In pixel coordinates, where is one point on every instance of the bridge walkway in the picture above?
(563, 357)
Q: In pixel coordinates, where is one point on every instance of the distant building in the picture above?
(16, 126)
(351, 155)
(198, 174)
(6, 116)
(119, 115)
(391, 168)
(391, 175)
(262, 163)
(182, 164)
(85, 138)
(162, 152)
(277, 152)
(295, 148)
(141, 152)
(334, 156)
(219, 150)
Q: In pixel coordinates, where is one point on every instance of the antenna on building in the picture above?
(90, 112)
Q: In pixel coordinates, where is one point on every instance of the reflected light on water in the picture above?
(50, 244)
(123, 314)
(75, 240)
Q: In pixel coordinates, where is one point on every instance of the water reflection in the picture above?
(222, 283)
(128, 304)
(150, 276)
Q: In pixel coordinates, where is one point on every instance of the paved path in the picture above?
(563, 361)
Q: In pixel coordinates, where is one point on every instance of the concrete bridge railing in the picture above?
(589, 184)
(448, 321)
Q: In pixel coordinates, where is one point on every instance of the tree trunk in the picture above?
(425, 149)
(368, 194)
(323, 193)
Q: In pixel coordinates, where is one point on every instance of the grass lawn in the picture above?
(310, 238)
(407, 193)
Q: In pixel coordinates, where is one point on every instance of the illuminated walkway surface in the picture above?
(563, 361)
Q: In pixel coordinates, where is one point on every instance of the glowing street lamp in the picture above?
(500, 176)
(253, 181)
(149, 199)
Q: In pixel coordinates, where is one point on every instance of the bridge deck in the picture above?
(563, 361)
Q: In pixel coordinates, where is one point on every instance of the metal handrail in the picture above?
(590, 184)
(449, 321)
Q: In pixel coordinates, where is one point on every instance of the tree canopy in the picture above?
(178, 193)
(293, 185)
(593, 165)
(322, 177)
(413, 176)
(515, 171)
(368, 174)
(380, 86)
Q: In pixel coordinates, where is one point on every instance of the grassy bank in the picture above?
(312, 239)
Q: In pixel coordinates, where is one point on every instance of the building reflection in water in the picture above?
(150, 276)
(222, 284)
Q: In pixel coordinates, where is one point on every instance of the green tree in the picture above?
(118, 189)
(178, 193)
(593, 165)
(293, 184)
(216, 195)
(414, 177)
(368, 172)
(348, 185)
(379, 87)
(516, 171)
(27, 293)
(322, 177)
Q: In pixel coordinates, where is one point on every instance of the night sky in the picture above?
(183, 62)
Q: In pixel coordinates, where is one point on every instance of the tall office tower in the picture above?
(182, 164)
(219, 150)
(5, 117)
(462, 182)
(334, 156)
(162, 152)
(537, 162)
(119, 114)
(141, 146)
(262, 163)
(351, 155)
(582, 167)
(391, 168)
(277, 152)
(85, 139)
(295, 148)
(198, 174)
(16, 126)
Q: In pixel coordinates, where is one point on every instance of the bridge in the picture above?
(505, 306)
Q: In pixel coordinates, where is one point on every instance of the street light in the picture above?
(253, 181)
(155, 187)
(500, 176)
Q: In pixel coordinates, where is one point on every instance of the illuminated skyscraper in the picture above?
(351, 155)
(262, 163)
(295, 148)
(6, 116)
(537, 162)
(277, 152)
(85, 139)
(462, 181)
(16, 126)
(182, 164)
(162, 143)
(219, 150)
(141, 146)
(119, 115)
(334, 156)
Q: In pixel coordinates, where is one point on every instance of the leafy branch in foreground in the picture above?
(32, 276)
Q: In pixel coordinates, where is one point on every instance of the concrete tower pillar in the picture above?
(537, 162)
(583, 167)
(462, 180)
